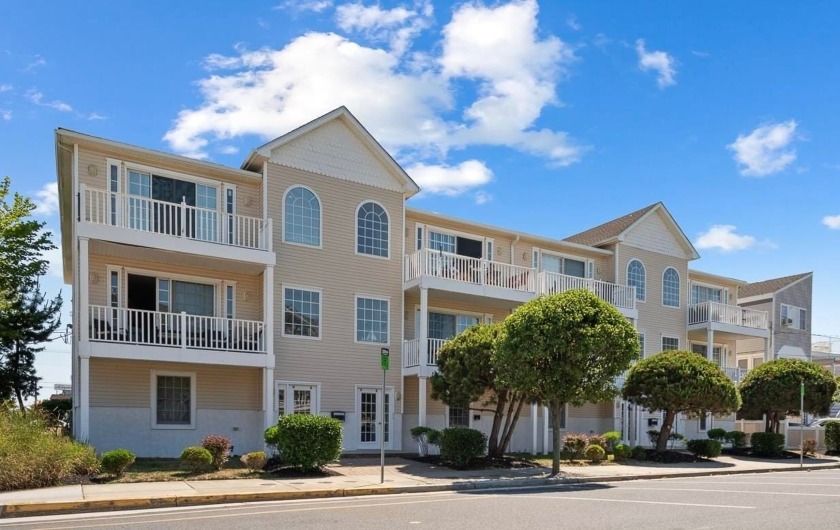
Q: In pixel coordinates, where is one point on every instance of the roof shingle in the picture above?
(769, 286)
(610, 229)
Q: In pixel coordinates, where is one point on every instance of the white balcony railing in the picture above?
(412, 353)
(708, 312)
(464, 269)
(177, 330)
(175, 219)
(618, 295)
(735, 373)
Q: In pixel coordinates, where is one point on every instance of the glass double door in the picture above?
(170, 206)
(374, 414)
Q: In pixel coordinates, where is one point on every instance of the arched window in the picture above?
(636, 278)
(372, 230)
(302, 217)
(671, 287)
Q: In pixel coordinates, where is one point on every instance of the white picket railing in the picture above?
(179, 330)
(465, 269)
(412, 352)
(618, 295)
(176, 219)
(726, 314)
(734, 373)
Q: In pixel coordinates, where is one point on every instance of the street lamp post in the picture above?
(384, 362)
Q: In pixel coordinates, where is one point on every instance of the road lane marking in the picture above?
(733, 491)
(631, 501)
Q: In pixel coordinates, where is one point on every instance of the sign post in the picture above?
(801, 423)
(384, 362)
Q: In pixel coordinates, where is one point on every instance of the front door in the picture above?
(371, 414)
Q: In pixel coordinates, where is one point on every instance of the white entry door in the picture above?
(372, 411)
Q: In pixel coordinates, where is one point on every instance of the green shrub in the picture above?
(272, 438)
(196, 457)
(219, 447)
(769, 444)
(433, 437)
(622, 451)
(737, 439)
(716, 434)
(595, 453)
(423, 436)
(612, 439)
(575, 445)
(308, 441)
(598, 439)
(706, 448)
(34, 455)
(675, 437)
(461, 446)
(117, 461)
(832, 435)
(638, 453)
(653, 436)
(254, 461)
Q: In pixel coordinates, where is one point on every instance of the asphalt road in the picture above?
(769, 500)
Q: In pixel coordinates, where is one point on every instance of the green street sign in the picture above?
(384, 358)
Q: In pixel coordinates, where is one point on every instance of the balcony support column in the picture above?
(710, 342)
(534, 420)
(421, 400)
(83, 427)
(424, 329)
(84, 290)
(767, 356)
(268, 398)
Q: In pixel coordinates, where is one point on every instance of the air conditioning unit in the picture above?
(787, 321)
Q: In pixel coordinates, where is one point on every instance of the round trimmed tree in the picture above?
(566, 348)
(466, 374)
(677, 381)
(772, 388)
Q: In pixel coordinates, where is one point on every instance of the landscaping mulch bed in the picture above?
(671, 457)
(507, 462)
(746, 453)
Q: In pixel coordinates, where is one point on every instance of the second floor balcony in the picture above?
(728, 318)
(179, 226)
(452, 272)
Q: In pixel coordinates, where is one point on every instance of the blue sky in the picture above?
(549, 117)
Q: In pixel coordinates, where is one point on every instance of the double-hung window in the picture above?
(372, 320)
(793, 317)
(670, 343)
(302, 312)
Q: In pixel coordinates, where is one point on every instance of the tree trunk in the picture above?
(515, 410)
(20, 399)
(498, 414)
(556, 410)
(665, 431)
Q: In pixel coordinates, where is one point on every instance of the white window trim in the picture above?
(356, 232)
(588, 263)
(320, 244)
(469, 417)
(152, 170)
(644, 342)
(679, 288)
(288, 386)
(662, 338)
(356, 297)
(794, 321)
(153, 398)
(283, 287)
(724, 291)
(482, 317)
(225, 285)
(627, 277)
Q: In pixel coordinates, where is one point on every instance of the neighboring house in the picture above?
(787, 301)
(210, 299)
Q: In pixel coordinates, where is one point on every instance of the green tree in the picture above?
(772, 388)
(679, 381)
(466, 374)
(27, 318)
(566, 348)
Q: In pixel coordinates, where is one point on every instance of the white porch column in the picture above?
(534, 419)
(268, 310)
(84, 290)
(710, 342)
(545, 430)
(767, 356)
(84, 399)
(424, 330)
(268, 398)
(421, 400)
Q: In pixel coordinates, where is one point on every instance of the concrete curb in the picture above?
(56, 508)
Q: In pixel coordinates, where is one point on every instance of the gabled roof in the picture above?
(612, 231)
(769, 287)
(343, 114)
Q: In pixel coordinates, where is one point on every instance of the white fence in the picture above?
(726, 314)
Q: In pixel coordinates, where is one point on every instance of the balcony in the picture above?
(735, 373)
(412, 356)
(452, 272)
(728, 318)
(132, 219)
(177, 337)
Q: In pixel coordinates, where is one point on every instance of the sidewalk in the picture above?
(358, 476)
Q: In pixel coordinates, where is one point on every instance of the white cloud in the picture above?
(46, 199)
(409, 102)
(724, 238)
(398, 26)
(702, 54)
(38, 98)
(663, 63)
(5, 87)
(482, 197)
(301, 6)
(36, 63)
(228, 149)
(450, 180)
(832, 221)
(55, 260)
(763, 151)
(573, 23)
(5, 114)
(96, 116)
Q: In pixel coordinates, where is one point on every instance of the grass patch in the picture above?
(545, 460)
